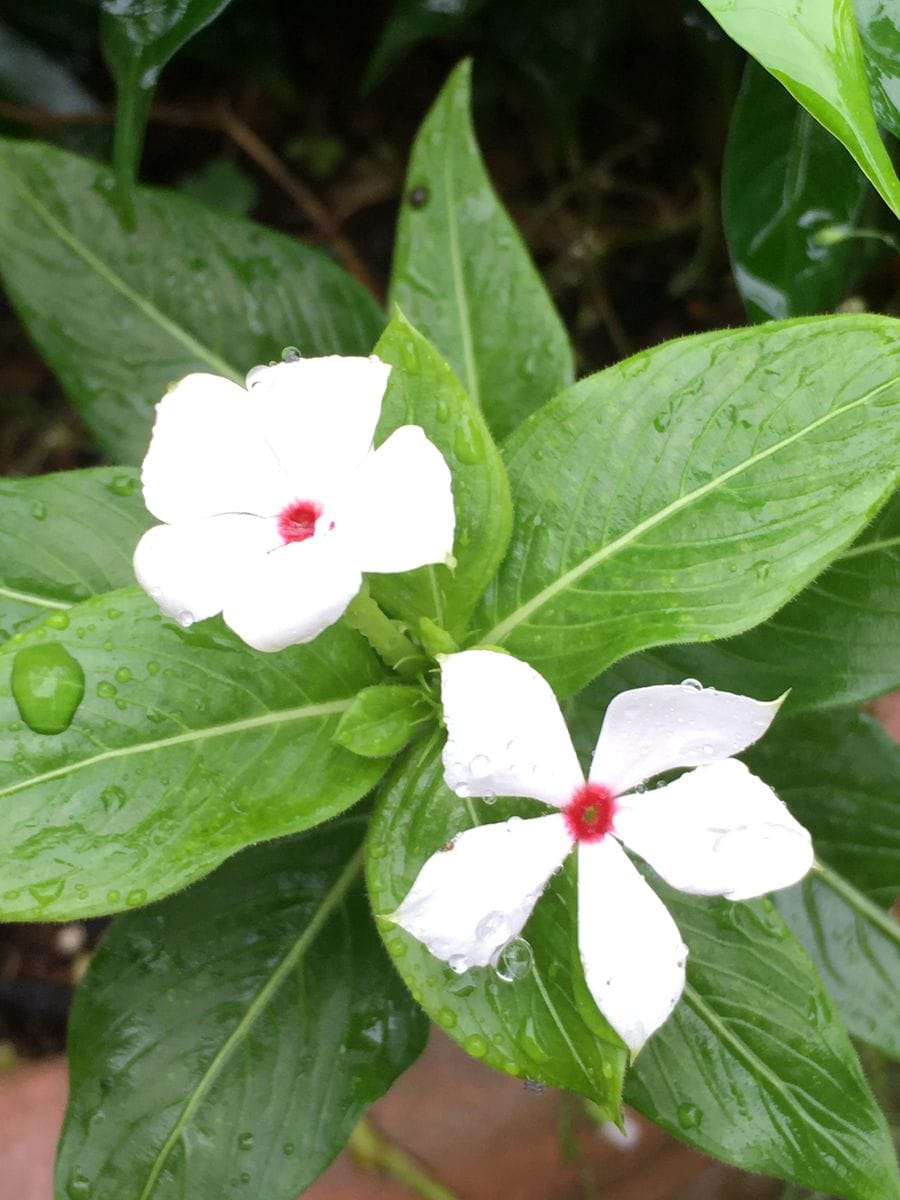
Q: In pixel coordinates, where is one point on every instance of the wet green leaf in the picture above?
(879, 31)
(786, 184)
(187, 747)
(423, 391)
(381, 720)
(463, 277)
(119, 316)
(236, 1031)
(138, 39)
(63, 538)
(689, 492)
(812, 47)
(536, 1024)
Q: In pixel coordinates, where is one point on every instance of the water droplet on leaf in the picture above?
(47, 685)
(516, 961)
(689, 1116)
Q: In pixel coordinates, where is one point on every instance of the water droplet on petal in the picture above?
(290, 354)
(480, 766)
(493, 928)
(254, 376)
(458, 963)
(692, 685)
(185, 619)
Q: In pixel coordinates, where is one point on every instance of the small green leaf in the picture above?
(234, 1034)
(786, 181)
(422, 390)
(537, 1025)
(186, 747)
(63, 538)
(879, 31)
(856, 947)
(411, 22)
(689, 492)
(463, 277)
(119, 316)
(812, 47)
(381, 720)
(754, 1066)
(138, 38)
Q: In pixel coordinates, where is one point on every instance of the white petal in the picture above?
(505, 733)
(190, 568)
(208, 456)
(631, 950)
(297, 591)
(319, 416)
(476, 893)
(717, 831)
(654, 729)
(398, 506)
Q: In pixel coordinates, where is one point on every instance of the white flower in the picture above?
(715, 831)
(275, 502)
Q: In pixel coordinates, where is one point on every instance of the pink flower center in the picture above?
(297, 522)
(589, 814)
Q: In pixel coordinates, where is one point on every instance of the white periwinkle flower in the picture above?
(275, 502)
(715, 831)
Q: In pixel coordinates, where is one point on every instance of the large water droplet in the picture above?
(692, 685)
(47, 685)
(480, 766)
(457, 963)
(476, 1045)
(290, 354)
(254, 376)
(515, 961)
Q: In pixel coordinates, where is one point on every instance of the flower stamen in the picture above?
(589, 814)
(297, 522)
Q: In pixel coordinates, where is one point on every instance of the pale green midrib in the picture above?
(869, 548)
(330, 901)
(742, 1051)
(885, 922)
(118, 284)
(32, 598)
(515, 618)
(557, 1020)
(459, 288)
(303, 712)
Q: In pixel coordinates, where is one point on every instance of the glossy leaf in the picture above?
(754, 1066)
(813, 48)
(236, 1031)
(187, 747)
(138, 39)
(879, 31)
(838, 773)
(856, 948)
(381, 720)
(463, 277)
(540, 1026)
(411, 22)
(422, 390)
(63, 538)
(688, 492)
(120, 316)
(786, 181)
(838, 642)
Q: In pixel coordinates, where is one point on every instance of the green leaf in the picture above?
(879, 31)
(409, 23)
(838, 773)
(381, 720)
(786, 182)
(119, 316)
(463, 277)
(63, 538)
(754, 1065)
(186, 747)
(538, 1026)
(813, 48)
(423, 390)
(856, 948)
(838, 642)
(689, 492)
(226, 1040)
(138, 39)
(29, 75)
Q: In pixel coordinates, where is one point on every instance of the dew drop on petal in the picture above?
(515, 961)
(692, 685)
(493, 928)
(290, 354)
(457, 963)
(480, 766)
(185, 618)
(254, 376)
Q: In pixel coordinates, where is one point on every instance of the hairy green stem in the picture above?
(383, 635)
(373, 1150)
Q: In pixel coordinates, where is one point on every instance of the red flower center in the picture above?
(297, 522)
(589, 814)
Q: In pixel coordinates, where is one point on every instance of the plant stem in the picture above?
(383, 635)
(373, 1150)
